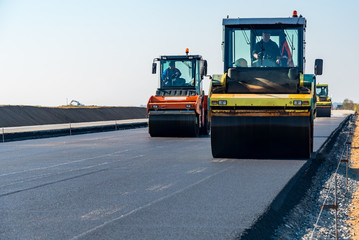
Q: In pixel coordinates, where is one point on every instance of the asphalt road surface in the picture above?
(126, 185)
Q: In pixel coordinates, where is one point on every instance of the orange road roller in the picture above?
(179, 108)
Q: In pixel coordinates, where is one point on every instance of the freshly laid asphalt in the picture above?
(127, 185)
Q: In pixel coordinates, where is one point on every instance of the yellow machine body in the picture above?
(263, 104)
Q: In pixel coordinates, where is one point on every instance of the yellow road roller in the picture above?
(263, 105)
(324, 102)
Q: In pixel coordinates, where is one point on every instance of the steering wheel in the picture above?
(267, 62)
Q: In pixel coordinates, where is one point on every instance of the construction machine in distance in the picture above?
(324, 102)
(263, 106)
(180, 107)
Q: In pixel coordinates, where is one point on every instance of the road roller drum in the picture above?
(173, 125)
(261, 137)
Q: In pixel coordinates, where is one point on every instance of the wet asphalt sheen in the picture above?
(126, 185)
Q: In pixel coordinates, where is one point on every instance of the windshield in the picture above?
(178, 73)
(259, 47)
(322, 91)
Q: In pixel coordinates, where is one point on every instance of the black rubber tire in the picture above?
(311, 135)
(196, 127)
(205, 129)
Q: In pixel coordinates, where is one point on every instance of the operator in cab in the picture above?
(170, 73)
(266, 49)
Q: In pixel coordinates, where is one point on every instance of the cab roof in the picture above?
(181, 57)
(264, 21)
(322, 85)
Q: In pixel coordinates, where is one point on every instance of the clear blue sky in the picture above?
(100, 52)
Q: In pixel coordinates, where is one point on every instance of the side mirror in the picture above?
(154, 67)
(293, 73)
(318, 67)
(203, 67)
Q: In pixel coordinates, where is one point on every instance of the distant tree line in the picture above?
(349, 105)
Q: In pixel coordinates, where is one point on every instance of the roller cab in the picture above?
(324, 102)
(179, 108)
(263, 105)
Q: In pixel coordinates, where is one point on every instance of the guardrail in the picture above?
(53, 130)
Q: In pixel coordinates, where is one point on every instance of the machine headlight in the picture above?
(155, 106)
(305, 102)
(188, 106)
(297, 102)
(222, 102)
(214, 102)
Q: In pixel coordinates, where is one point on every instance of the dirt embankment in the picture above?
(353, 222)
(13, 116)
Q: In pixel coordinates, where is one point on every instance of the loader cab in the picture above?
(283, 48)
(180, 73)
(322, 90)
(263, 55)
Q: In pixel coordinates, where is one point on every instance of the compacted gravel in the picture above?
(306, 220)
